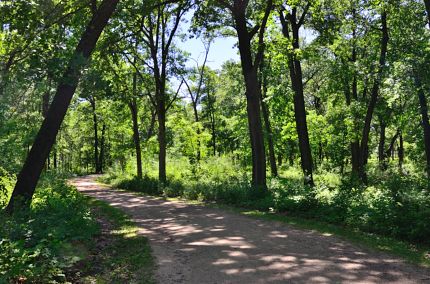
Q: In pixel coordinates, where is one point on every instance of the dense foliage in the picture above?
(38, 245)
(331, 96)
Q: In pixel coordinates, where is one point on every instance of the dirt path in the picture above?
(196, 244)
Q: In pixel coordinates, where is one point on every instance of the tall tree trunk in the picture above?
(401, 151)
(102, 149)
(55, 159)
(161, 113)
(296, 76)
(213, 129)
(424, 122)
(212, 122)
(253, 96)
(381, 146)
(351, 93)
(268, 127)
(196, 120)
(373, 99)
(30, 173)
(96, 136)
(427, 3)
(136, 137)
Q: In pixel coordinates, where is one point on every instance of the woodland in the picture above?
(324, 115)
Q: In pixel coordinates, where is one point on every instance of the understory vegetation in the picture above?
(56, 240)
(309, 108)
(391, 205)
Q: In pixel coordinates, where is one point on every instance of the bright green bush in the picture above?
(35, 243)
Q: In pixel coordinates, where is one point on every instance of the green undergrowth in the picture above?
(392, 212)
(120, 255)
(57, 240)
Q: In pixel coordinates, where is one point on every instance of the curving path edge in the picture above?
(197, 244)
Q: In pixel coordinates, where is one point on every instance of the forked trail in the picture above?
(197, 244)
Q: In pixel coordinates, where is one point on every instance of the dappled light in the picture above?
(197, 244)
(263, 141)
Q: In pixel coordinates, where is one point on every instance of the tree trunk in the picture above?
(212, 121)
(96, 136)
(161, 113)
(253, 96)
(296, 77)
(55, 159)
(196, 120)
(373, 100)
(301, 123)
(213, 129)
(300, 116)
(381, 146)
(136, 137)
(389, 152)
(30, 173)
(268, 127)
(425, 123)
(427, 3)
(102, 150)
(401, 152)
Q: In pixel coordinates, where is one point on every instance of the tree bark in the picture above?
(267, 125)
(45, 138)
(381, 146)
(427, 3)
(161, 113)
(401, 151)
(389, 152)
(102, 150)
(296, 76)
(253, 95)
(96, 136)
(136, 137)
(424, 122)
(373, 99)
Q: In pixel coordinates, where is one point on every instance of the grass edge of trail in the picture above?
(126, 255)
(412, 253)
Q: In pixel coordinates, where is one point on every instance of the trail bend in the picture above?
(198, 244)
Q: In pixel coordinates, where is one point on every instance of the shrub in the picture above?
(35, 243)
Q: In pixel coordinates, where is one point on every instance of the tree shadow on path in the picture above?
(197, 244)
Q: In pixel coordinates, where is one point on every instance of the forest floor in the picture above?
(198, 244)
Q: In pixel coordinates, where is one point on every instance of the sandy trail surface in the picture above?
(197, 244)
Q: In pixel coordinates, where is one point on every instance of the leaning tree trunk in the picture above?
(30, 173)
(253, 96)
(301, 123)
